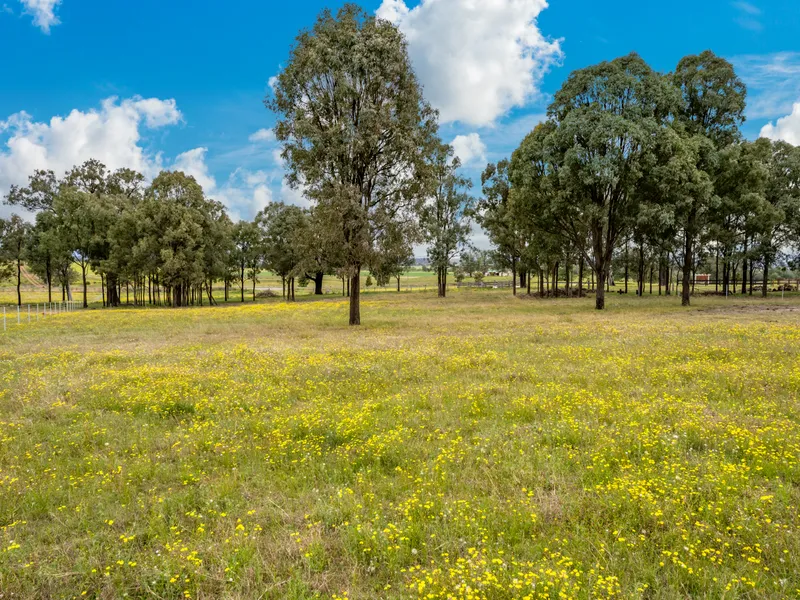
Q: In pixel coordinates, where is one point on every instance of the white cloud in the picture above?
(773, 82)
(477, 59)
(243, 194)
(43, 13)
(262, 135)
(470, 149)
(786, 128)
(111, 134)
(748, 15)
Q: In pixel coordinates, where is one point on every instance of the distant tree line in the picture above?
(632, 167)
(647, 171)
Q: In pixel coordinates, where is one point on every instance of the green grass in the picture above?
(480, 446)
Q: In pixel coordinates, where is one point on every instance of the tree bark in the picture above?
(688, 260)
(744, 269)
(600, 297)
(85, 299)
(318, 283)
(19, 281)
(580, 278)
(766, 278)
(49, 281)
(514, 274)
(355, 297)
(626, 266)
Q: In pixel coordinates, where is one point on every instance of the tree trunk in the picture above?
(580, 278)
(85, 299)
(49, 281)
(514, 274)
(688, 260)
(555, 280)
(242, 286)
(355, 297)
(744, 269)
(398, 284)
(600, 298)
(626, 266)
(19, 281)
(318, 283)
(766, 278)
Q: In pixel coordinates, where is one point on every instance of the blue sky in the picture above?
(180, 84)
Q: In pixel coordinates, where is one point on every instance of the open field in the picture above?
(413, 280)
(475, 447)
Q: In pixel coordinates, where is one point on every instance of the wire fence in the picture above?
(27, 314)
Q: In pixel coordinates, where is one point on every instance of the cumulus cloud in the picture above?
(111, 134)
(262, 135)
(476, 59)
(244, 193)
(43, 13)
(773, 82)
(786, 128)
(470, 149)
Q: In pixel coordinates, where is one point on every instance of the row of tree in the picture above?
(630, 162)
(163, 243)
(635, 162)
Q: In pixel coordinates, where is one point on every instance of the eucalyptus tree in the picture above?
(494, 213)
(38, 197)
(606, 120)
(740, 184)
(76, 216)
(445, 221)
(175, 212)
(777, 224)
(283, 227)
(356, 132)
(395, 256)
(711, 107)
(14, 234)
(248, 251)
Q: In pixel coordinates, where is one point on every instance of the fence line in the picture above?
(32, 312)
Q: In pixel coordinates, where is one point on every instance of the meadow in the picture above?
(477, 447)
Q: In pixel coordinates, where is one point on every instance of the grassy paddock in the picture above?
(477, 447)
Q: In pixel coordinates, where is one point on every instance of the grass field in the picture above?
(479, 447)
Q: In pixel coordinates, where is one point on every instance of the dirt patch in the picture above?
(751, 308)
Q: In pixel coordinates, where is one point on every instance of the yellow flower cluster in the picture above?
(497, 450)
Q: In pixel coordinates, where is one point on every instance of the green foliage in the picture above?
(356, 134)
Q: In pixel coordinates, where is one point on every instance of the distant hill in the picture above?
(421, 262)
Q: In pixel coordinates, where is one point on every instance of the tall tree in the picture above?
(247, 240)
(356, 132)
(14, 234)
(607, 118)
(445, 221)
(495, 215)
(283, 228)
(712, 106)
